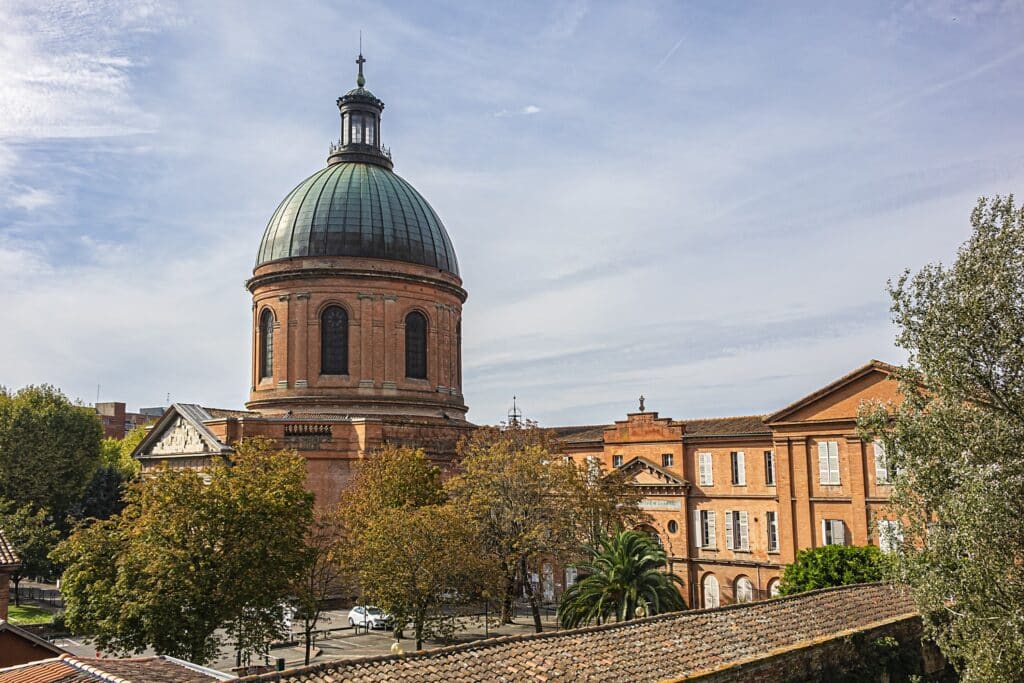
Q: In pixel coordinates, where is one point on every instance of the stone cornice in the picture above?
(362, 274)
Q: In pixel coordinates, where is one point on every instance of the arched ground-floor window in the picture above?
(710, 585)
(744, 590)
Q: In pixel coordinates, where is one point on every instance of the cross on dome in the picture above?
(360, 79)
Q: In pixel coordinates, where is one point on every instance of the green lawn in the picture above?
(28, 614)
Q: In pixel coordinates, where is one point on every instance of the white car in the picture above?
(369, 617)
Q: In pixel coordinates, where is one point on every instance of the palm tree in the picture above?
(624, 578)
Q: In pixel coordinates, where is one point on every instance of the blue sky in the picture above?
(700, 202)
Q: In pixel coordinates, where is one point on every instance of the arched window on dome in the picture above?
(416, 345)
(266, 344)
(334, 341)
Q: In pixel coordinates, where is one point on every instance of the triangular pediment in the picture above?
(841, 400)
(180, 431)
(644, 473)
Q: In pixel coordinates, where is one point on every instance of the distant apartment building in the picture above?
(117, 421)
(732, 499)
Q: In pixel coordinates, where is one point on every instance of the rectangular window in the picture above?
(666, 460)
(772, 519)
(704, 528)
(881, 464)
(616, 461)
(833, 532)
(736, 537)
(828, 462)
(739, 468)
(890, 535)
(704, 465)
(769, 468)
(570, 576)
(357, 130)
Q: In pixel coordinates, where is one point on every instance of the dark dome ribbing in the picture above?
(360, 210)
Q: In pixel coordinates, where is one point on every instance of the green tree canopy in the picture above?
(956, 444)
(192, 553)
(832, 565)
(530, 504)
(624, 578)
(33, 535)
(49, 449)
(408, 547)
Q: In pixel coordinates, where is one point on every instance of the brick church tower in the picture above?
(356, 321)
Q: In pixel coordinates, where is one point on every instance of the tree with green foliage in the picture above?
(104, 496)
(321, 576)
(832, 565)
(955, 443)
(531, 505)
(33, 535)
(407, 547)
(193, 552)
(625, 578)
(49, 450)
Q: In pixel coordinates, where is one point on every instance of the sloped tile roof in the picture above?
(740, 425)
(8, 558)
(656, 648)
(218, 413)
(580, 434)
(69, 669)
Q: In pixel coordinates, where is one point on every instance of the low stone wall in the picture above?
(890, 650)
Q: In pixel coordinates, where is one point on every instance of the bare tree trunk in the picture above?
(531, 595)
(309, 638)
(508, 591)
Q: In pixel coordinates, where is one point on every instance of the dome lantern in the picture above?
(360, 112)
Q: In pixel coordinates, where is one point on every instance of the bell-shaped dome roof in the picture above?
(361, 210)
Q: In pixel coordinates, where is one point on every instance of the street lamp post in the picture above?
(487, 600)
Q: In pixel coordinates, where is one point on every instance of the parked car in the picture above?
(369, 616)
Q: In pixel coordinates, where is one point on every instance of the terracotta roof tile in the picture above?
(685, 643)
(725, 426)
(8, 557)
(69, 669)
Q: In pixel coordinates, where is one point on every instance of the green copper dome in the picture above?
(357, 209)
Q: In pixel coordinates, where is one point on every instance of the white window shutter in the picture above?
(823, 476)
(824, 532)
(833, 461)
(839, 532)
(741, 468)
(698, 531)
(728, 529)
(712, 534)
(744, 539)
(881, 464)
(703, 462)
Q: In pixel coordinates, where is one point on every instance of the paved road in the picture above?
(343, 643)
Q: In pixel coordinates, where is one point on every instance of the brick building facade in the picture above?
(733, 499)
(117, 421)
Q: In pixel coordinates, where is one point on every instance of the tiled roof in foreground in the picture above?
(8, 558)
(666, 646)
(69, 669)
